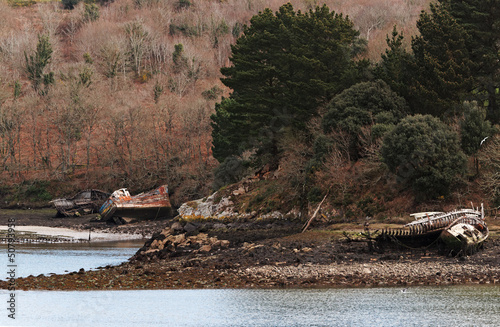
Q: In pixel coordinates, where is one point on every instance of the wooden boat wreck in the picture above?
(84, 202)
(458, 232)
(465, 234)
(149, 205)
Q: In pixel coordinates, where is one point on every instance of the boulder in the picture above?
(177, 227)
(189, 228)
(205, 248)
(220, 226)
(241, 190)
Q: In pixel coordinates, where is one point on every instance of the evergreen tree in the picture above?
(481, 20)
(392, 67)
(364, 104)
(425, 154)
(474, 130)
(284, 67)
(441, 66)
(36, 63)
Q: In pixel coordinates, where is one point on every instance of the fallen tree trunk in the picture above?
(315, 213)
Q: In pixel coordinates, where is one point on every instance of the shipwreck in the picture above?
(84, 202)
(148, 205)
(457, 232)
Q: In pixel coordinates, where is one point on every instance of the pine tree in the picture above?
(393, 67)
(441, 69)
(285, 66)
(36, 63)
(481, 20)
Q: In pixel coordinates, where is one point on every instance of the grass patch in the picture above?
(28, 193)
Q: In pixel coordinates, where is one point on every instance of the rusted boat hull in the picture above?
(150, 205)
(84, 202)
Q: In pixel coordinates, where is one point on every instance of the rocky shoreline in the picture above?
(201, 255)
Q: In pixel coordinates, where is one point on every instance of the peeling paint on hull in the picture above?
(148, 205)
(465, 234)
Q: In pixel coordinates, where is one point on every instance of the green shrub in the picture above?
(183, 4)
(91, 13)
(231, 170)
(70, 4)
(315, 194)
(364, 104)
(212, 94)
(425, 154)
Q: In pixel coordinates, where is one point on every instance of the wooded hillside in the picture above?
(138, 93)
(125, 91)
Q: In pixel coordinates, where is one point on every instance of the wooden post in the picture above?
(315, 212)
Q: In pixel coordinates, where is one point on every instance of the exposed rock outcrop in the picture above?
(174, 242)
(223, 207)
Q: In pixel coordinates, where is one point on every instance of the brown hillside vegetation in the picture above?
(135, 83)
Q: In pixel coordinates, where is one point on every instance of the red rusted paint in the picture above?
(145, 205)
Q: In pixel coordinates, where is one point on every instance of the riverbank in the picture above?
(81, 226)
(262, 254)
(317, 258)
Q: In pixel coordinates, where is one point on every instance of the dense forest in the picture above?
(379, 104)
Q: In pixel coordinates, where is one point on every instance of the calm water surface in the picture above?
(420, 306)
(35, 259)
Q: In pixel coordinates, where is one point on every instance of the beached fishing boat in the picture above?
(458, 231)
(465, 234)
(84, 202)
(149, 205)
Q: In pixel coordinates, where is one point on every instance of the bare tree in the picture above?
(50, 18)
(138, 43)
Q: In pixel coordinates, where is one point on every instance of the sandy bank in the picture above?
(55, 232)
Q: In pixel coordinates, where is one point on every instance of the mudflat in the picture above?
(270, 255)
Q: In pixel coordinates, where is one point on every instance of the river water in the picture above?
(36, 259)
(418, 306)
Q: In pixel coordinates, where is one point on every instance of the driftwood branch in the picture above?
(315, 212)
(349, 239)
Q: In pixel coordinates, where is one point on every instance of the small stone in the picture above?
(167, 231)
(205, 248)
(239, 191)
(202, 236)
(179, 238)
(177, 227)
